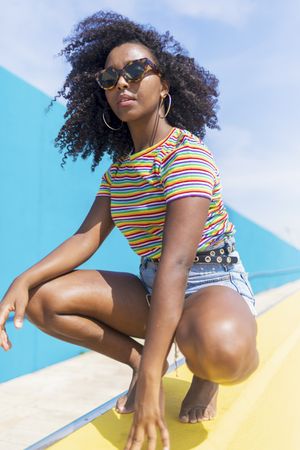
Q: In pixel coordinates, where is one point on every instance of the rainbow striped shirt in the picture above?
(141, 184)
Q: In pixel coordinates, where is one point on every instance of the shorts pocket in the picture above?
(147, 275)
(242, 284)
(246, 280)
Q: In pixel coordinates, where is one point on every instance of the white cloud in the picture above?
(32, 34)
(258, 81)
(259, 183)
(232, 12)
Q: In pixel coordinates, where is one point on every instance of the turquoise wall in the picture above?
(43, 204)
(269, 260)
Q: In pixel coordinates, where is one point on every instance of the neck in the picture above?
(146, 134)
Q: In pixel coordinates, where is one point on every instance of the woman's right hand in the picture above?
(15, 299)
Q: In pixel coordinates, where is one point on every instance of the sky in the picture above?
(251, 46)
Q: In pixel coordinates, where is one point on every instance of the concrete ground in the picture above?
(37, 404)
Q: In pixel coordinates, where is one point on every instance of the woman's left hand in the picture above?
(148, 416)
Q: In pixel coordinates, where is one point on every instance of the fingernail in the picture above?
(19, 323)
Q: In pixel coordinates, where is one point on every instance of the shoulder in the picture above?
(186, 147)
(110, 171)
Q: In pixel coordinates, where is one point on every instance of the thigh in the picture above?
(232, 275)
(217, 316)
(114, 298)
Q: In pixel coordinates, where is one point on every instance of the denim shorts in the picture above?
(206, 274)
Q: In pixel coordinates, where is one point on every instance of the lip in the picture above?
(126, 103)
(125, 99)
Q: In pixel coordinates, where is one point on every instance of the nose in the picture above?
(121, 83)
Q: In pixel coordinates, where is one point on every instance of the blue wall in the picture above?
(43, 204)
(269, 260)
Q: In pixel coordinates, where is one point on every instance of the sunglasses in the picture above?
(133, 71)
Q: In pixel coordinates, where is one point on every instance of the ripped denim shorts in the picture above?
(206, 274)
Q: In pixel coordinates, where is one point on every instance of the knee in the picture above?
(218, 354)
(40, 308)
(229, 361)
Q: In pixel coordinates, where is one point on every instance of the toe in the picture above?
(199, 414)
(120, 404)
(184, 416)
(193, 417)
(208, 414)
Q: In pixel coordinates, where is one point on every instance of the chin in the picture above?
(129, 116)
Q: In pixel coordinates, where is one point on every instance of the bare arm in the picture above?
(184, 224)
(76, 249)
(72, 252)
(183, 229)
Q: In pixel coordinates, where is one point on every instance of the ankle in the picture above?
(134, 362)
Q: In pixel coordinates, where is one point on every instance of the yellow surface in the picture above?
(259, 414)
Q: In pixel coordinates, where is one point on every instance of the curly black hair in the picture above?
(193, 89)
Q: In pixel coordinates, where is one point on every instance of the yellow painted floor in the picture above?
(259, 414)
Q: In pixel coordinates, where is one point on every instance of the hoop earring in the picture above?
(169, 106)
(114, 129)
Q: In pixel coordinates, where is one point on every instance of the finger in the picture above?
(19, 314)
(164, 433)
(4, 313)
(137, 439)
(129, 439)
(4, 340)
(152, 437)
(8, 340)
(137, 443)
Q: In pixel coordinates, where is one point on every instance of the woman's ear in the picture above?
(165, 88)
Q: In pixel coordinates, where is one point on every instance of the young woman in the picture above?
(136, 95)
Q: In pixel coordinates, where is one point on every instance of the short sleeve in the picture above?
(188, 171)
(104, 188)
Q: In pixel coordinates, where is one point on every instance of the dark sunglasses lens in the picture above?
(135, 70)
(108, 78)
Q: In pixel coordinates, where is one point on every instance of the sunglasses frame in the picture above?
(148, 65)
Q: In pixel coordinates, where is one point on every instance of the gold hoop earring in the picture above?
(114, 129)
(169, 106)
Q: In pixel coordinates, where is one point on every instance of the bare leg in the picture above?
(125, 404)
(92, 334)
(98, 310)
(217, 335)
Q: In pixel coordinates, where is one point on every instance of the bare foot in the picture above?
(125, 404)
(200, 402)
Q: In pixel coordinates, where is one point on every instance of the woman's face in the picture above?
(146, 94)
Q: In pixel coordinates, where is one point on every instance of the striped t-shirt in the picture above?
(141, 184)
